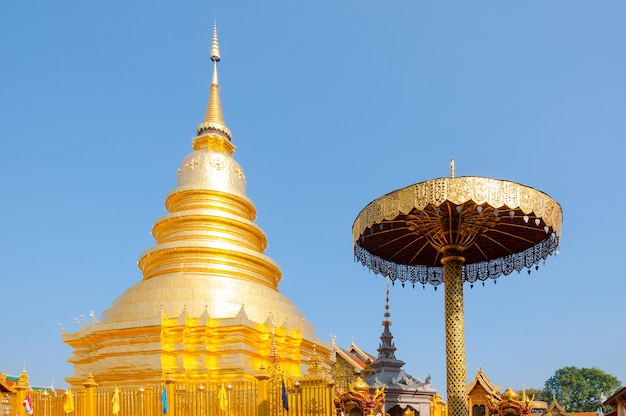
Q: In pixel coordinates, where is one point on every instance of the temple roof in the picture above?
(612, 401)
(402, 388)
(354, 356)
(5, 387)
(555, 408)
(359, 353)
(480, 379)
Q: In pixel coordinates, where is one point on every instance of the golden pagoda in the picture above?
(208, 307)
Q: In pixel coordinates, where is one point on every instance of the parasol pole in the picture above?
(456, 377)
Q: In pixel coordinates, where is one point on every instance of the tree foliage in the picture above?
(581, 389)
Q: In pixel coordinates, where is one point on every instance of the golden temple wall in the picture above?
(185, 348)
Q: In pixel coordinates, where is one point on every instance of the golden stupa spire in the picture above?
(209, 229)
(207, 269)
(213, 119)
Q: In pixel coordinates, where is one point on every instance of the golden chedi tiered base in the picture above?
(197, 344)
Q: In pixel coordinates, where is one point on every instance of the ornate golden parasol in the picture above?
(455, 230)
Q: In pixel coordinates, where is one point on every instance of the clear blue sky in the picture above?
(332, 104)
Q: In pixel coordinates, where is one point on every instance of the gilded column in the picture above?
(22, 388)
(90, 385)
(263, 405)
(142, 401)
(455, 334)
(170, 394)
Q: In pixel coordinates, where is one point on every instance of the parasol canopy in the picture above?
(498, 227)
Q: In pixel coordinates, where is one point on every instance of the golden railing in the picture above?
(262, 397)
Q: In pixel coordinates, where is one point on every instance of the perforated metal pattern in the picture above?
(455, 338)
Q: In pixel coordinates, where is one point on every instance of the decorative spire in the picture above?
(386, 349)
(452, 167)
(315, 363)
(213, 119)
(215, 53)
(215, 46)
(274, 349)
(387, 315)
(23, 379)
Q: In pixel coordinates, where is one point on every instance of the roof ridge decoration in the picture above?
(363, 355)
(509, 404)
(352, 359)
(481, 379)
(556, 405)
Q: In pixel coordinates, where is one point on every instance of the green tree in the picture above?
(581, 389)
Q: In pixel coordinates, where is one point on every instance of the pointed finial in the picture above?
(93, 317)
(387, 314)
(386, 348)
(452, 167)
(213, 119)
(215, 53)
(215, 47)
(273, 350)
(315, 362)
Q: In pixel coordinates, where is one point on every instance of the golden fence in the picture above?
(263, 397)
